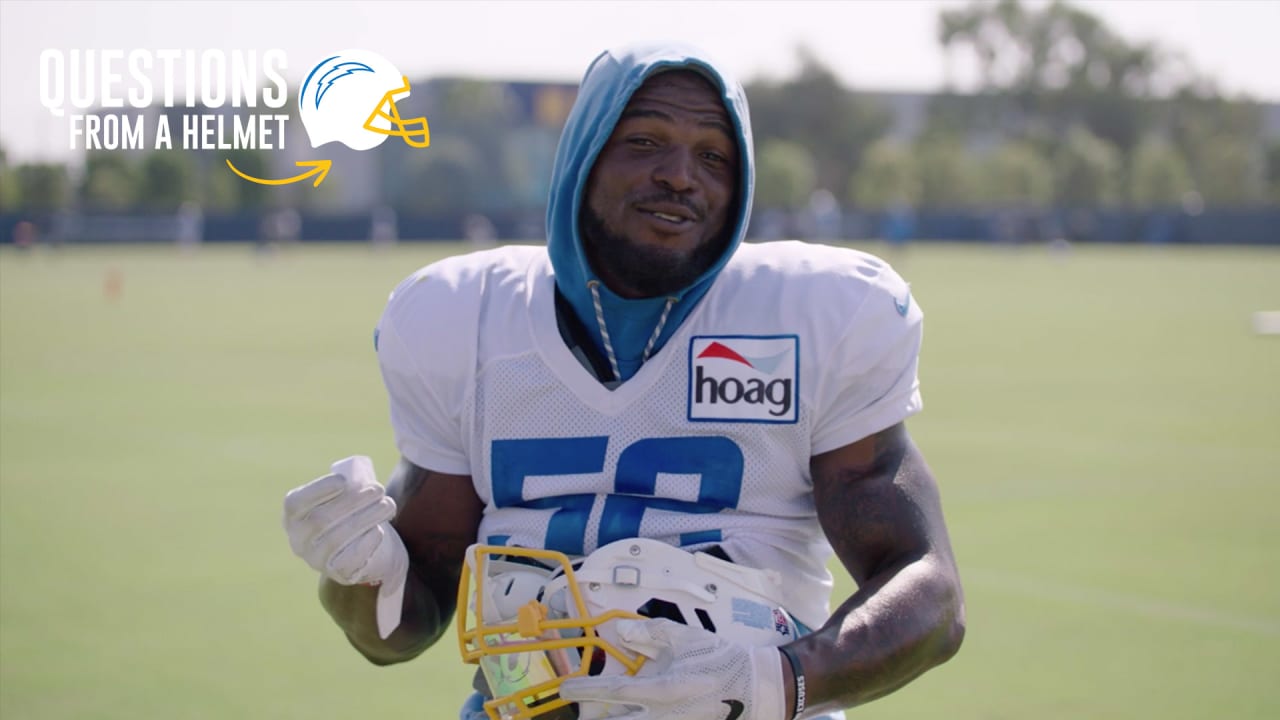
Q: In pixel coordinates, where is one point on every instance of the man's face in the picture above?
(661, 192)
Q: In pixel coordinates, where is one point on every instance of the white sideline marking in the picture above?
(1135, 604)
(1266, 322)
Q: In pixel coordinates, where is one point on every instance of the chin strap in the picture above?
(594, 286)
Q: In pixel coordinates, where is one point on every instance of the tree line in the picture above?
(1069, 114)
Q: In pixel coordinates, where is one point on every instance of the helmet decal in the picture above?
(350, 97)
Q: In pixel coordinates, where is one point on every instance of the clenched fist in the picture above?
(340, 524)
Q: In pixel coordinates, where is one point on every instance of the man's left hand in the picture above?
(691, 674)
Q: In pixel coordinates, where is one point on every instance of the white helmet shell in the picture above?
(531, 618)
(346, 91)
(654, 579)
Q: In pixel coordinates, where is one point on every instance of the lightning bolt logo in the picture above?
(332, 75)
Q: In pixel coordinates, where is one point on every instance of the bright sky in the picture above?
(878, 44)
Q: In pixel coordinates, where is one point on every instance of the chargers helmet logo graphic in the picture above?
(350, 97)
(744, 378)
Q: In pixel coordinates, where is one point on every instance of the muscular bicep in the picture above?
(438, 517)
(878, 505)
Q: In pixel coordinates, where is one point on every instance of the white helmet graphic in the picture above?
(350, 97)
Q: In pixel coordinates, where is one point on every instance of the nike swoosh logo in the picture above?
(735, 708)
(901, 307)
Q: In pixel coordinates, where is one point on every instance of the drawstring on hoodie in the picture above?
(594, 286)
(662, 322)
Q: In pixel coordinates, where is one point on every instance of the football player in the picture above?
(647, 375)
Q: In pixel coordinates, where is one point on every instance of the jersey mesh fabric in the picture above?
(563, 463)
(520, 398)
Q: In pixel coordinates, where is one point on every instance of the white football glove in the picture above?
(691, 674)
(340, 524)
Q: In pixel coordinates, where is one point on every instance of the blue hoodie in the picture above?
(606, 88)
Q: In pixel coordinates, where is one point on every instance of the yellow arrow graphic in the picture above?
(319, 168)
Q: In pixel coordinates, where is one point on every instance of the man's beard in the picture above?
(645, 270)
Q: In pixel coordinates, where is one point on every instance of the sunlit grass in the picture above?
(1104, 425)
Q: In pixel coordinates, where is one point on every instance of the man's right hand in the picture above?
(340, 525)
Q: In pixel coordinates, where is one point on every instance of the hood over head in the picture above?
(606, 88)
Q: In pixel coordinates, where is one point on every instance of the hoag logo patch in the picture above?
(744, 378)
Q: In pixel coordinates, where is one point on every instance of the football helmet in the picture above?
(350, 97)
(532, 618)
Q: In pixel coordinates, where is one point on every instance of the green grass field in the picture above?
(1104, 424)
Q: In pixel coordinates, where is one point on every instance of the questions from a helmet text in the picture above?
(211, 99)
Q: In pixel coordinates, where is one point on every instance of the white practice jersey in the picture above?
(797, 349)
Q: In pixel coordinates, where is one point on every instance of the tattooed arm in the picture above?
(878, 504)
(437, 517)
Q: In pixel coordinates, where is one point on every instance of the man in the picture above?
(647, 376)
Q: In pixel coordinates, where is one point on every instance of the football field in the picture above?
(1104, 424)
